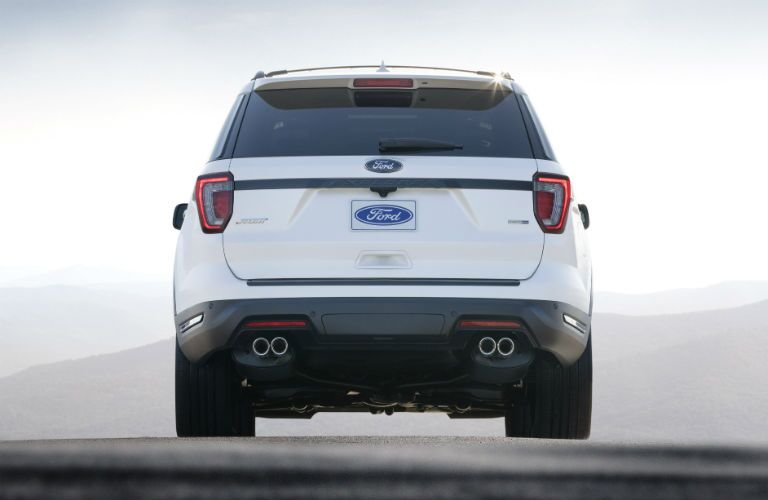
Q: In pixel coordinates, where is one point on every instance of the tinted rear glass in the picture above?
(340, 121)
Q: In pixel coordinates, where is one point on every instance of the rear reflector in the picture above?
(578, 325)
(402, 83)
(470, 323)
(190, 323)
(214, 197)
(277, 324)
(552, 197)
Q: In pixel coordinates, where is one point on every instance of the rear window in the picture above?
(340, 121)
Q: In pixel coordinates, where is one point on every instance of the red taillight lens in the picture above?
(551, 200)
(402, 83)
(214, 197)
(222, 204)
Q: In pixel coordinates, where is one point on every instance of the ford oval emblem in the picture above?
(383, 166)
(383, 215)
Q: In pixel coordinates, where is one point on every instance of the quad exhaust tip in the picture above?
(261, 347)
(279, 346)
(505, 347)
(487, 346)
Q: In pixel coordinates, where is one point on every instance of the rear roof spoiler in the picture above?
(382, 68)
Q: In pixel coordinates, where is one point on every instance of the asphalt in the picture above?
(376, 468)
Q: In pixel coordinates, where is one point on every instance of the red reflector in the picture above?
(545, 202)
(468, 323)
(221, 204)
(274, 324)
(403, 83)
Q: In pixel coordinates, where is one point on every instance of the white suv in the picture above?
(383, 239)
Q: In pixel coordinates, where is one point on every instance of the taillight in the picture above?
(214, 195)
(551, 200)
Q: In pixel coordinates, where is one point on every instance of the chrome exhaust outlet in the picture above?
(261, 347)
(505, 346)
(279, 346)
(487, 346)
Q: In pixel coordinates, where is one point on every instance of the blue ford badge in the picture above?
(383, 215)
(383, 166)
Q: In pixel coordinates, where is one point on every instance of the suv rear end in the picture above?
(396, 240)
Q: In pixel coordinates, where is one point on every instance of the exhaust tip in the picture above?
(279, 346)
(261, 347)
(486, 346)
(505, 346)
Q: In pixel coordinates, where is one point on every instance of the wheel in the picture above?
(559, 403)
(209, 401)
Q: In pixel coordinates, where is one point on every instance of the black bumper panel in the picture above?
(434, 321)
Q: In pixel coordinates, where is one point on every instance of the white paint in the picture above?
(456, 233)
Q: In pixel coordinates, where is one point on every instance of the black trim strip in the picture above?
(368, 182)
(381, 281)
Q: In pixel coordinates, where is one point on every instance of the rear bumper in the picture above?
(384, 324)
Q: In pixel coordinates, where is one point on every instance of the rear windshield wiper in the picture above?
(416, 145)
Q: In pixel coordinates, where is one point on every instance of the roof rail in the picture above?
(482, 73)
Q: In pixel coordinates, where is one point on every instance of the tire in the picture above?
(559, 402)
(209, 401)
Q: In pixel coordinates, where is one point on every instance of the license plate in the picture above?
(373, 215)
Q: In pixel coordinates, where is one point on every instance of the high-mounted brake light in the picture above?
(402, 83)
(472, 323)
(214, 195)
(551, 200)
(277, 324)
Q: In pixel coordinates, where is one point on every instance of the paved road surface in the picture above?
(377, 468)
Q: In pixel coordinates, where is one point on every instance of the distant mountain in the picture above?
(696, 377)
(52, 323)
(128, 393)
(691, 377)
(724, 295)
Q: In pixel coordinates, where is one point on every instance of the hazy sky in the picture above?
(657, 109)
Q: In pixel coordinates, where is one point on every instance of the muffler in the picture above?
(487, 346)
(505, 347)
(261, 347)
(279, 346)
